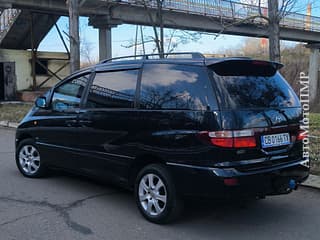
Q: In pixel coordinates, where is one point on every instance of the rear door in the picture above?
(177, 101)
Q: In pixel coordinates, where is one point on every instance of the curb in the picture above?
(9, 124)
(313, 181)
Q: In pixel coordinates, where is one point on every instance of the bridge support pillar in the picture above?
(104, 24)
(105, 43)
(73, 6)
(314, 67)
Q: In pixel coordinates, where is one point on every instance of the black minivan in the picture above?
(168, 128)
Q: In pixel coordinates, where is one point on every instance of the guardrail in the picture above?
(7, 17)
(233, 11)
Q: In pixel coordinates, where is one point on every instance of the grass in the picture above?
(15, 113)
(315, 143)
(315, 123)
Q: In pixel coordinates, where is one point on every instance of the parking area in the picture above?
(63, 206)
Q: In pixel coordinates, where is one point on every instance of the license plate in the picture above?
(275, 140)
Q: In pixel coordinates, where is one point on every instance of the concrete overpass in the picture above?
(197, 15)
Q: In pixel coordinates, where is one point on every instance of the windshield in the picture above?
(255, 91)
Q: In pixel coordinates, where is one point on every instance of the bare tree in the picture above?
(295, 60)
(175, 38)
(86, 49)
(73, 6)
(161, 26)
(275, 14)
(156, 22)
(172, 39)
(269, 12)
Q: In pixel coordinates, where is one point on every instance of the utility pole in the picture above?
(73, 6)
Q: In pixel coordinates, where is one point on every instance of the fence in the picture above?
(227, 10)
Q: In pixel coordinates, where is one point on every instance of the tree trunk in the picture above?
(274, 31)
(74, 35)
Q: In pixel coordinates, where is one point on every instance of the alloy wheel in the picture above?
(152, 194)
(29, 159)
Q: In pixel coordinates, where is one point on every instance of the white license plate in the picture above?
(275, 140)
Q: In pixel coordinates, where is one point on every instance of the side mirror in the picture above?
(41, 102)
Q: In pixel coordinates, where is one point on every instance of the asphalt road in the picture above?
(70, 207)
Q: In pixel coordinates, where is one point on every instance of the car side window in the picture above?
(173, 86)
(68, 95)
(114, 89)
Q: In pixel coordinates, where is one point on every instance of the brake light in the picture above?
(229, 139)
(260, 63)
(244, 142)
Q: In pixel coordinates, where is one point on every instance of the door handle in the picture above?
(71, 122)
(164, 122)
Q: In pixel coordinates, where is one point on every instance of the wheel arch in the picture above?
(139, 163)
(22, 137)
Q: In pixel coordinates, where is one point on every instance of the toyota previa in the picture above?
(169, 128)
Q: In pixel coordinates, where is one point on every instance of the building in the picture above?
(16, 71)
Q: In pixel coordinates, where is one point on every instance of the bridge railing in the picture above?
(233, 11)
(7, 17)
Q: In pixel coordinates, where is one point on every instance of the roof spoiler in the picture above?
(244, 67)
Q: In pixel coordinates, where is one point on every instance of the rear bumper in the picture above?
(209, 182)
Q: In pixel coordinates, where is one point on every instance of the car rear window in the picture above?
(253, 87)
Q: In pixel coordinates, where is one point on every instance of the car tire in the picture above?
(28, 159)
(156, 195)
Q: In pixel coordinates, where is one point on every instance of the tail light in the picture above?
(302, 135)
(231, 181)
(231, 139)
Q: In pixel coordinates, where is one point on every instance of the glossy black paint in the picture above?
(115, 143)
